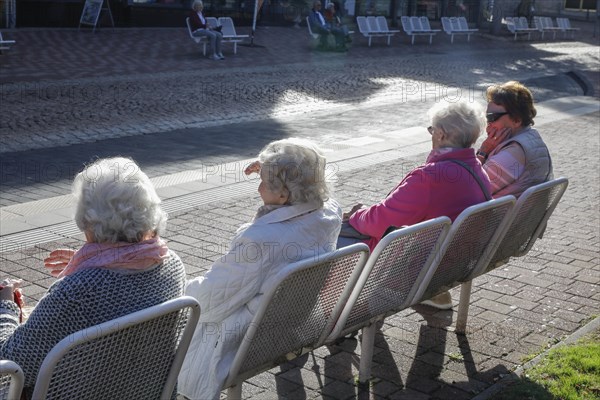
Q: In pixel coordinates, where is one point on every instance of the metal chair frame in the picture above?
(57, 367)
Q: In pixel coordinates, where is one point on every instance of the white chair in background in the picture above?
(412, 27)
(229, 33)
(198, 39)
(365, 25)
(565, 25)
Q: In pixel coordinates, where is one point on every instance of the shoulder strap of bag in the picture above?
(474, 175)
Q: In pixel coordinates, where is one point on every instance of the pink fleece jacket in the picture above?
(437, 188)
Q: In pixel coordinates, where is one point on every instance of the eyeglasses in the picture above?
(431, 130)
(493, 117)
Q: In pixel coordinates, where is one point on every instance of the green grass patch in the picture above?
(570, 372)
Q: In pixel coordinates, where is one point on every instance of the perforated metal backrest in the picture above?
(454, 23)
(310, 32)
(11, 380)
(137, 356)
(187, 22)
(382, 23)
(362, 25)
(446, 25)
(531, 214)
(415, 23)
(548, 23)
(462, 23)
(299, 312)
(425, 23)
(406, 25)
(467, 241)
(228, 26)
(372, 24)
(392, 274)
(211, 22)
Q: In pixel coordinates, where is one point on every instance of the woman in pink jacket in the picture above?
(451, 180)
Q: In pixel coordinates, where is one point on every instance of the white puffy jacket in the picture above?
(231, 290)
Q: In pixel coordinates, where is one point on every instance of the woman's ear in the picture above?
(284, 197)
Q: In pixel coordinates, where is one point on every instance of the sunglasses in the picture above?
(493, 117)
(431, 130)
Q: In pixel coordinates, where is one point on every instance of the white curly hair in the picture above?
(117, 202)
(296, 167)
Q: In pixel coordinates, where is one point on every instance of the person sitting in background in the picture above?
(451, 180)
(297, 213)
(514, 155)
(319, 25)
(335, 23)
(200, 28)
(123, 267)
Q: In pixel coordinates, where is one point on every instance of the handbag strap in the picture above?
(486, 193)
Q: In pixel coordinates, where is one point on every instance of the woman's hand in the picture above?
(254, 167)
(495, 136)
(346, 216)
(58, 260)
(8, 287)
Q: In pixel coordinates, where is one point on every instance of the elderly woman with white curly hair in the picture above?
(298, 220)
(451, 180)
(124, 266)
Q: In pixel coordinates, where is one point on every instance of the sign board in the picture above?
(91, 12)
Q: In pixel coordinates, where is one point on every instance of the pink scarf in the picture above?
(121, 255)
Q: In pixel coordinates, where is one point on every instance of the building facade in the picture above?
(66, 13)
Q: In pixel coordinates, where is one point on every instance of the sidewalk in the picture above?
(373, 133)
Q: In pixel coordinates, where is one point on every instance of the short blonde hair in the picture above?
(117, 202)
(296, 167)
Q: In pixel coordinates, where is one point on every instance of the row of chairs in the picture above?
(541, 25)
(227, 29)
(457, 26)
(418, 26)
(349, 289)
(313, 302)
(372, 26)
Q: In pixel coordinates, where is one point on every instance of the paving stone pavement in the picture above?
(147, 93)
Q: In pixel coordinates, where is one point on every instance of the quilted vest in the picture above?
(538, 164)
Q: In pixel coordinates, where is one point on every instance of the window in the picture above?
(582, 5)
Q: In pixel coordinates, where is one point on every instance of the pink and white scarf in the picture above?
(120, 255)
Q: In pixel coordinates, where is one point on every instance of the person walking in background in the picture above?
(123, 267)
(514, 155)
(200, 27)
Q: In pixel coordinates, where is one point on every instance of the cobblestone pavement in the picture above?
(95, 92)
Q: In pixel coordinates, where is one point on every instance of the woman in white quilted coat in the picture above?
(298, 220)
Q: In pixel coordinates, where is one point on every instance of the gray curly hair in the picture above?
(463, 122)
(296, 167)
(117, 202)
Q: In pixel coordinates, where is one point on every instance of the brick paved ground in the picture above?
(91, 89)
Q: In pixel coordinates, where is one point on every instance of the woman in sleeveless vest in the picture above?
(514, 155)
